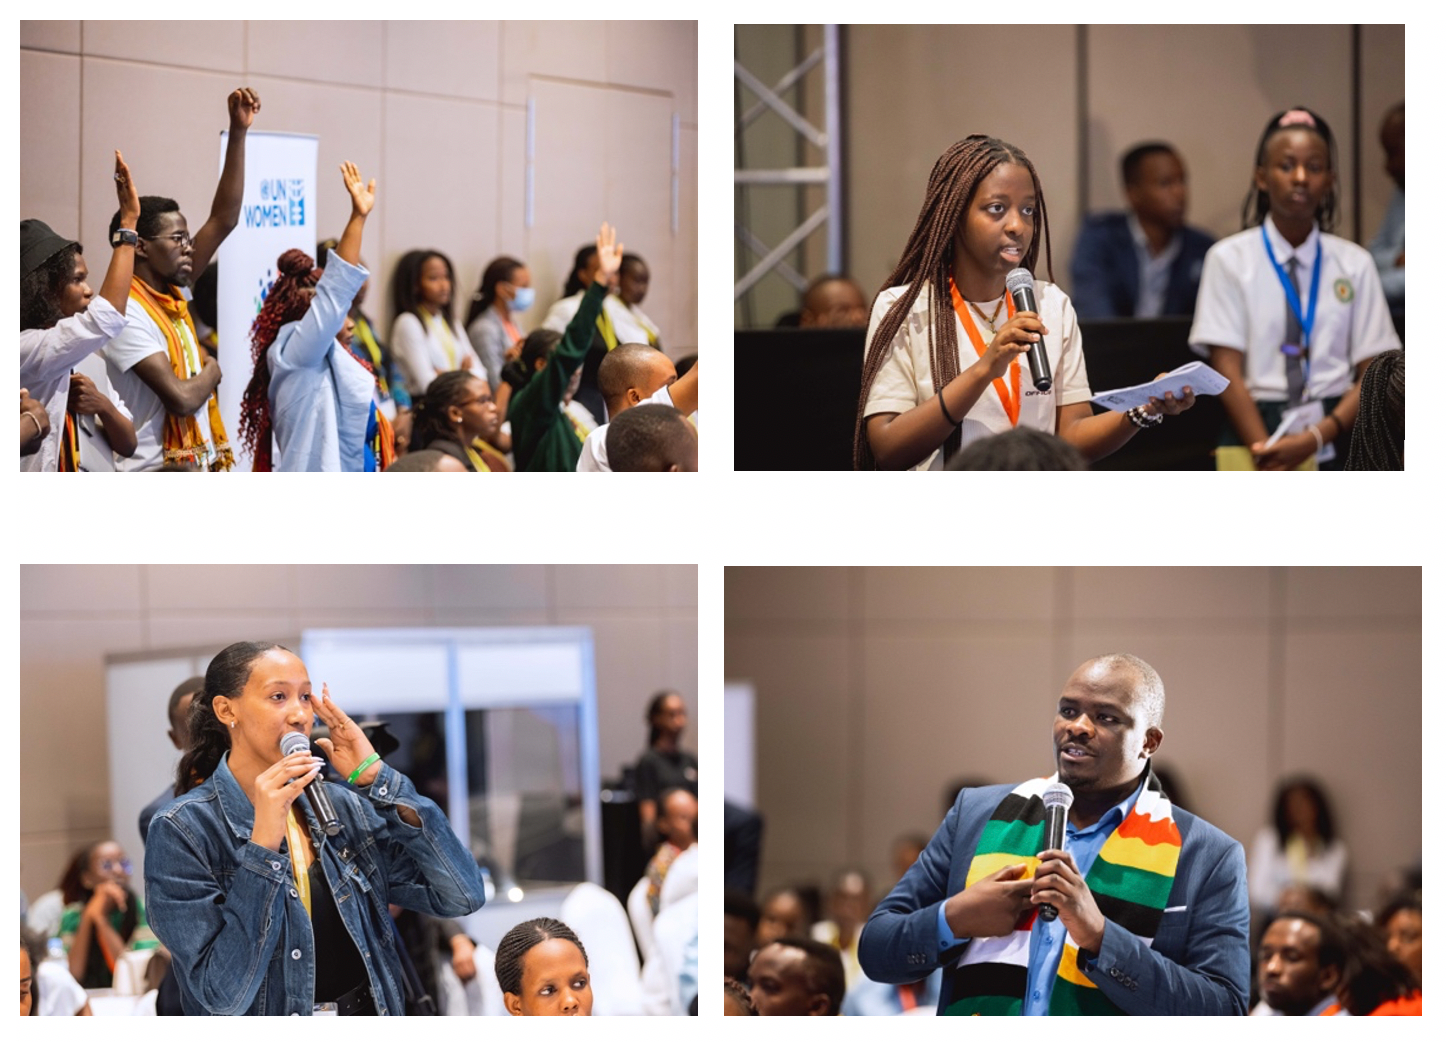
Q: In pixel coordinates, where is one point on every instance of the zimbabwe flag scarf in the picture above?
(1130, 880)
(181, 437)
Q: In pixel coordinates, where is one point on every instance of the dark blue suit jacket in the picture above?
(1105, 273)
(1199, 962)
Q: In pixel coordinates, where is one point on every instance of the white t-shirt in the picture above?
(1241, 305)
(60, 994)
(906, 379)
(594, 458)
(140, 339)
(46, 358)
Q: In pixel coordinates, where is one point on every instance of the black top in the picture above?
(339, 966)
(658, 772)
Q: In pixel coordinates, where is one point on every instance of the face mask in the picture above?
(523, 300)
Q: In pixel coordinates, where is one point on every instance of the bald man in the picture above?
(631, 375)
(1152, 911)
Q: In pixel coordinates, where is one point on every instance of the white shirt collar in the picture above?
(1305, 254)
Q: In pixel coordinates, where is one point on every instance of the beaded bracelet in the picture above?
(1140, 418)
(373, 758)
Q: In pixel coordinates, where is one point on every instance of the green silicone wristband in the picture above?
(373, 758)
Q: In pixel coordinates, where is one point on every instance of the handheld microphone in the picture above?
(1057, 800)
(1020, 284)
(296, 742)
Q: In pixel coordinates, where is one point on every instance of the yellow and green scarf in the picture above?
(181, 437)
(1130, 880)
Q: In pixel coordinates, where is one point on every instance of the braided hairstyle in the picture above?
(500, 270)
(520, 940)
(1257, 201)
(927, 261)
(429, 412)
(207, 739)
(288, 299)
(1378, 440)
(739, 995)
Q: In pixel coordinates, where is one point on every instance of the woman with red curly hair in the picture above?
(319, 402)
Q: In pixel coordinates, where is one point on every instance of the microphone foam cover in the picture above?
(1057, 794)
(294, 742)
(1017, 279)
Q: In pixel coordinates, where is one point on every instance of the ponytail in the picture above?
(207, 739)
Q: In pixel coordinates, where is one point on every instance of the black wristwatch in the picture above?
(124, 237)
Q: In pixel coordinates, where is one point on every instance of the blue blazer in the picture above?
(1105, 272)
(1199, 962)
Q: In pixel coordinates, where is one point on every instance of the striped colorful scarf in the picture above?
(1130, 881)
(181, 437)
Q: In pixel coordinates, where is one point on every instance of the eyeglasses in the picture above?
(111, 864)
(487, 400)
(179, 239)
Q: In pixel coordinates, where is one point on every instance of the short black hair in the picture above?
(1023, 448)
(825, 973)
(1332, 950)
(189, 687)
(520, 940)
(1135, 158)
(153, 208)
(649, 438)
(741, 905)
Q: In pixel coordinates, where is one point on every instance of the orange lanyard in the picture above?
(1010, 401)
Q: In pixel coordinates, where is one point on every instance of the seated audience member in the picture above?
(740, 924)
(542, 970)
(427, 340)
(307, 389)
(1400, 922)
(634, 327)
(454, 413)
(393, 396)
(46, 988)
(797, 977)
(584, 271)
(785, 913)
(1301, 962)
(61, 323)
(833, 302)
(1378, 440)
(677, 824)
(1145, 262)
(544, 436)
(1023, 448)
(849, 905)
(157, 364)
(636, 374)
(426, 460)
(506, 290)
(1300, 846)
(1388, 248)
(736, 1000)
(685, 364)
(651, 439)
(178, 709)
(102, 916)
(1376, 984)
(582, 275)
(1302, 897)
(742, 845)
(34, 423)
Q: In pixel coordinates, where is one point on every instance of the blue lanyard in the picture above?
(1307, 320)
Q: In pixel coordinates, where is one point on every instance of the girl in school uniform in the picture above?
(1291, 314)
(942, 362)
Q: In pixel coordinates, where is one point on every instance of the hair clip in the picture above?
(1296, 117)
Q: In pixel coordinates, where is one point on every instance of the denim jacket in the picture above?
(228, 909)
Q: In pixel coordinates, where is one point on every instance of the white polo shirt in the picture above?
(1242, 305)
(906, 379)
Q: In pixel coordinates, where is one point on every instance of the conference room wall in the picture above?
(876, 687)
(437, 111)
(644, 620)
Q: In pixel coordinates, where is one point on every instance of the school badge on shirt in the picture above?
(1344, 293)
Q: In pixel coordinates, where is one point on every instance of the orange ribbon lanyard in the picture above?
(1010, 401)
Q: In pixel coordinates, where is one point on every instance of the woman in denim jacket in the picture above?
(264, 912)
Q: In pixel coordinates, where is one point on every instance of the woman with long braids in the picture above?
(263, 911)
(945, 303)
(318, 398)
(542, 970)
(457, 416)
(1378, 440)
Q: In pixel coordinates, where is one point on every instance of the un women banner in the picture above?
(278, 212)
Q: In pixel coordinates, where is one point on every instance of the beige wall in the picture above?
(912, 90)
(644, 621)
(877, 686)
(435, 110)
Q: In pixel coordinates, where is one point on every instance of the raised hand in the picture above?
(243, 104)
(609, 253)
(363, 196)
(125, 190)
(348, 746)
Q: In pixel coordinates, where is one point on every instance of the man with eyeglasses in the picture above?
(157, 364)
